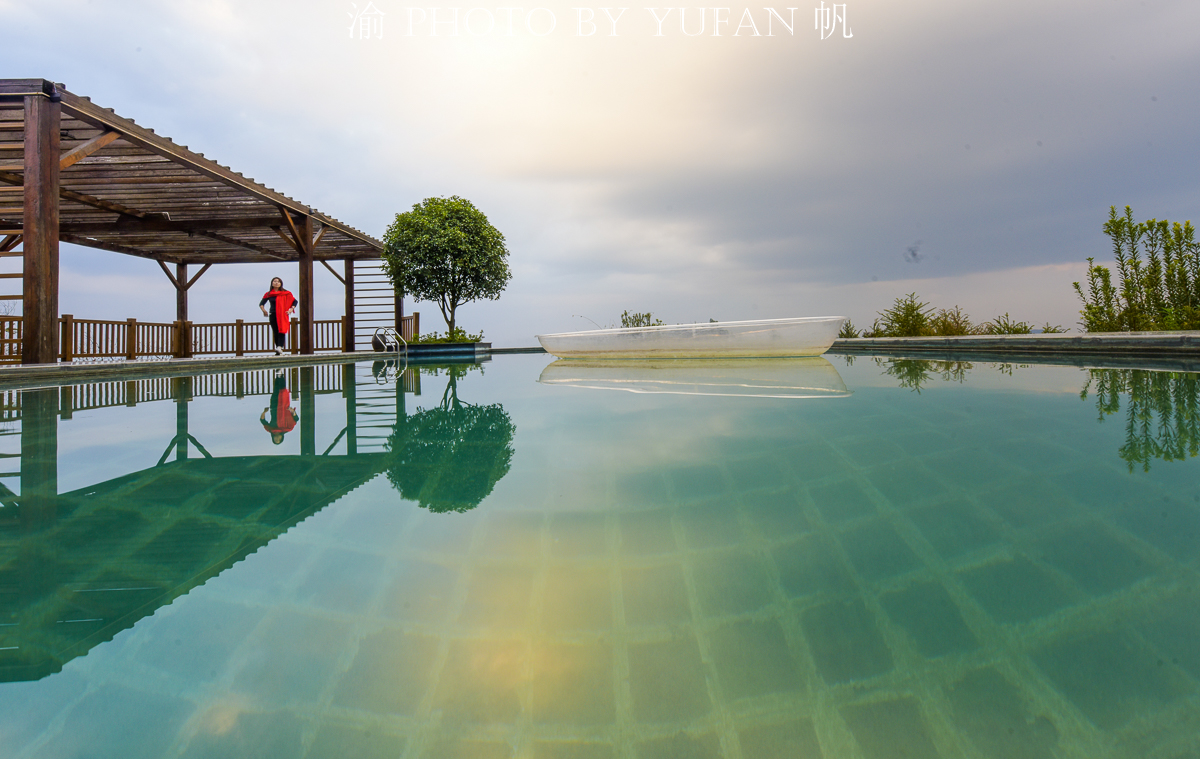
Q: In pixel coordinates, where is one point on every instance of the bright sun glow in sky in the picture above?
(965, 151)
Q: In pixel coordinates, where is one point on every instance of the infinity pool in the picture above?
(863, 558)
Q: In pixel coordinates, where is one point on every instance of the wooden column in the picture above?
(183, 346)
(40, 306)
(39, 458)
(350, 393)
(308, 412)
(348, 321)
(305, 294)
(182, 387)
(181, 292)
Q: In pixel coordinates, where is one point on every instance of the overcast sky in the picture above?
(965, 151)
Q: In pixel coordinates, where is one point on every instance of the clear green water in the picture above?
(990, 567)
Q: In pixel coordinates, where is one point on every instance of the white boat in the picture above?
(812, 377)
(762, 338)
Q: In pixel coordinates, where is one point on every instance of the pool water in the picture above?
(935, 559)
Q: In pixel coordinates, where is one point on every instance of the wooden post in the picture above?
(66, 401)
(348, 319)
(181, 291)
(350, 393)
(68, 337)
(39, 457)
(187, 339)
(177, 339)
(43, 119)
(239, 338)
(131, 339)
(294, 336)
(183, 396)
(308, 413)
(416, 326)
(305, 228)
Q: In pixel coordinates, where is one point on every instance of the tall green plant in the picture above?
(1005, 325)
(639, 320)
(952, 321)
(1158, 292)
(908, 317)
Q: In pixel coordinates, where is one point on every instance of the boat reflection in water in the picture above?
(812, 377)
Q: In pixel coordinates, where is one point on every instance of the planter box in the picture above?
(445, 351)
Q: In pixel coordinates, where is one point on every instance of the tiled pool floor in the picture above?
(972, 575)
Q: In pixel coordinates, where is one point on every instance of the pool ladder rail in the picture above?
(388, 340)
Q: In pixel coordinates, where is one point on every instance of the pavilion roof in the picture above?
(128, 190)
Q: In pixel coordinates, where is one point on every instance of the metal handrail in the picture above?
(391, 339)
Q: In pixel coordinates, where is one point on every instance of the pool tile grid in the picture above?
(1136, 595)
(321, 714)
(830, 725)
(646, 638)
(245, 686)
(901, 674)
(913, 693)
(1034, 676)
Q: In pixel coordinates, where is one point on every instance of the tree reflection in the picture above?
(449, 458)
(916, 373)
(1162, 418)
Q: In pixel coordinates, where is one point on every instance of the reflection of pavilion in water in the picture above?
(76, 568)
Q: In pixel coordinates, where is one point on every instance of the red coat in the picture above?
(283, 303)
(284, 419)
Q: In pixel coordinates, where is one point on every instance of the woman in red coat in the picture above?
(282, 304)
(283, 414)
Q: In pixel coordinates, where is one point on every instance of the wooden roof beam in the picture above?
(186, 285)
(331, 271)
(86, 111)
(78, 197)
(167, 225)
(156, 255)
(247, 245)
(87, 148)
(279, 231)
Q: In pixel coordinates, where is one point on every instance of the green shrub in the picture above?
(952, 321)
(639, 320)
(1161, 292)
(911, 317)
(908, 317)
(847, 330)
(459, 335)
(1003, 325)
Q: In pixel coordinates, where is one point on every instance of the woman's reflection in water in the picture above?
(283, 414)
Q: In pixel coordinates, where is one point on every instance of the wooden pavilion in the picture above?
(73, 171)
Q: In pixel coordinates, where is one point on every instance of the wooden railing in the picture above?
(327, 378)
(12, 338)
(410, 327)
(130, 339)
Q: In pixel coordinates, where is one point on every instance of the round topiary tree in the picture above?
(448, 458)
(444, 250)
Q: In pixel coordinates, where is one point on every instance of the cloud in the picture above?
(699, 176)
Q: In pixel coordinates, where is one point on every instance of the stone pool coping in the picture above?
(1173, 351)
(36, 375)
(1135, 347)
